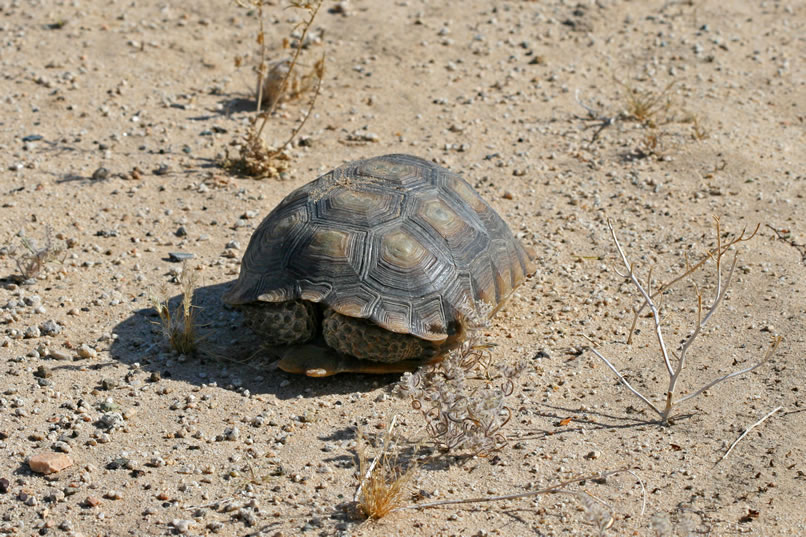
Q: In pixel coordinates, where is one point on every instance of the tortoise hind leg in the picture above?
(283, 323)
(367, 341)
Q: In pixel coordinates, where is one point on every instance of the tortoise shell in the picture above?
(394, 239)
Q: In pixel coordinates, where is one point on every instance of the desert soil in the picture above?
(113, 117)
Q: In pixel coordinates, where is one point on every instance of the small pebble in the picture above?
(85, 351)
(49, 463)
(50, 328)
(111, 420)
(162, 169)
(178, 257)
(100, 174)
(182, 526)
(59, 355)
(31, 332)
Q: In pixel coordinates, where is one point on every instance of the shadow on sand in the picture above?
(228, 353)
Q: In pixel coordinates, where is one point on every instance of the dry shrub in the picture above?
(655, 110)
(283, 82)
(650, 294)
(648, 107)
(463, 398)
(276, 81)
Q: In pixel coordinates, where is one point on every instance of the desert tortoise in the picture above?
(384, 259)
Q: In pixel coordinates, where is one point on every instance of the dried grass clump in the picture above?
(648, 107)
(384, 482)
(463, 398)
(256, 159)
(33, 259)
(178, 324)
(650, 294)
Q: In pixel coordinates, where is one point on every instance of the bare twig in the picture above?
(595, 115)
(643, 491)
(759, 422)
(559, 487)
(624, 381)
(306, 25)
(713, 383)
(320, 74)
(785, 236)
(690, 269)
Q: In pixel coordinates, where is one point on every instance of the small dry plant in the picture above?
(675, 361)
(32, 259)
(179, 324)
(383, 482)
(648, 107)
(653, 110)
(275, 81)
(463, 398)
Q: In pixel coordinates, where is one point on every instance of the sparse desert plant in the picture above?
(648, 107)
(384, 482)
(463, 398)
(682, 523)
(675, 362)
(652, 109)
(32, 259)
(179, 324)
(275, 81)
(698, 130)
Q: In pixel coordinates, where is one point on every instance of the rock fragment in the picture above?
(49, 463)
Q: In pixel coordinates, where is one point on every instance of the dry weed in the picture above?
(33, 259)
(179, 324)
(654, 110)
(463, 398)
(384, 482)
(597, 513)
(279, 80)
(648, 107)
(282, 82)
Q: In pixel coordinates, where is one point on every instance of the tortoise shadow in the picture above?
(228, 354)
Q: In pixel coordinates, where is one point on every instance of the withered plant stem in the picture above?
(306, 25)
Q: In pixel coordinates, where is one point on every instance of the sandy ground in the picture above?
(164, 444)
